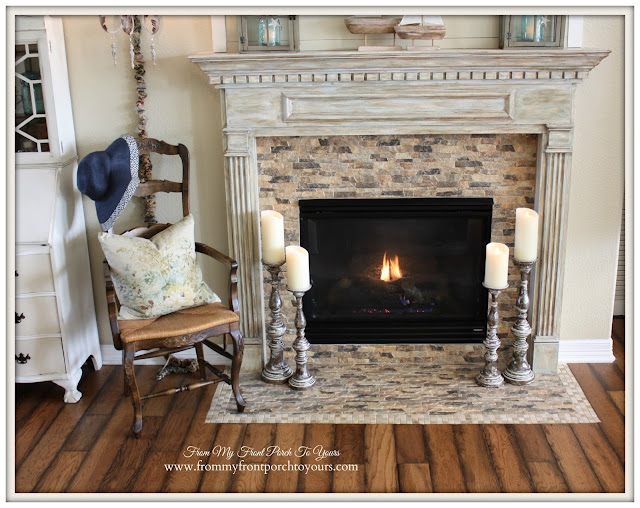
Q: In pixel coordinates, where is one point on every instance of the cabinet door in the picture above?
(35, 130)
(35, 199)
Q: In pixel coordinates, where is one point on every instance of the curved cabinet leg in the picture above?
(71, 393)
(130, 377)
(238, 351)
(96, 359)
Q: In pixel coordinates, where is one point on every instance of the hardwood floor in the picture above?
(86, 447)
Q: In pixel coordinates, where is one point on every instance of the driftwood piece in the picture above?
(358, 25)
(420, 31)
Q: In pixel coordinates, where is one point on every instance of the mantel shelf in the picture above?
(471, 64)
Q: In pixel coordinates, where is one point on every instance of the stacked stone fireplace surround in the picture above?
(499, 166)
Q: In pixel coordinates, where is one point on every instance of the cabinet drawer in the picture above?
(34, 274)
(35, 198)
(42, 356)
(40, 316)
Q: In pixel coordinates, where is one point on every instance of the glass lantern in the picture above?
(268, 33)
(533, 31)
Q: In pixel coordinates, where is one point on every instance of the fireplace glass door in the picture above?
(396, 270)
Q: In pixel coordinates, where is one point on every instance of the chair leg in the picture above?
(238, 351)
(200, 355)
(130, 377)
(125, 384)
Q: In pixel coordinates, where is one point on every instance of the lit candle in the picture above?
(497, 266)
(272, 225)
(297, 268)
(526, 238)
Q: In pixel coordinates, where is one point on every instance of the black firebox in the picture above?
(396, 270)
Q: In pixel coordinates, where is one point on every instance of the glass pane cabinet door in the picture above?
(30, 122)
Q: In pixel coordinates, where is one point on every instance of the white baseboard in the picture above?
(111, 356)
(586, 351)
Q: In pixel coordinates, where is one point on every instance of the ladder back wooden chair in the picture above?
(186, 328)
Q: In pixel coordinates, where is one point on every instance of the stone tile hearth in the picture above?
(422, 384)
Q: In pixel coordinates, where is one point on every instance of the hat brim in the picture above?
(124, 181)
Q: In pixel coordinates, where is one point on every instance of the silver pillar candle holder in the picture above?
(519, 371)
(490, 376)
(301, 379)
(277, 370)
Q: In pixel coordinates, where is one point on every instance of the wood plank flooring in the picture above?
(86, 447)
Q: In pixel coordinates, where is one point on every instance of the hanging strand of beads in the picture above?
(103, 24)
(152, 25)
(128, 23)
(141, 88)
(132, 26)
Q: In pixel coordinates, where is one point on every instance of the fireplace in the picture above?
(398, 93)
(396, 270)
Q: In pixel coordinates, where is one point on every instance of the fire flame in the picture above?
(390, 269)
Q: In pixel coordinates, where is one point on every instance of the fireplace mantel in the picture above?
(470, 64)
(402, 92)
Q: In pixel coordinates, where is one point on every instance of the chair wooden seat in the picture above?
(183, 329)
(181, 322)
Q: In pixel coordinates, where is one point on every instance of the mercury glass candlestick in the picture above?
(490, 375)
(301, 379)
(277, 370)
(519, 372)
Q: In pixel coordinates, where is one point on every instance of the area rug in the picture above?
(423, 385)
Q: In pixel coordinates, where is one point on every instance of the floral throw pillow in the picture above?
(157, 276)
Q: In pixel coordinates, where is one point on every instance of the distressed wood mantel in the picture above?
(402, 92)
(472, 64)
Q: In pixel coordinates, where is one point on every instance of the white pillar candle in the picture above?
(497, 266)
(526, 238)
(272, 225)
(297, 268)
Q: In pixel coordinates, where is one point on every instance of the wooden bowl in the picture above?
(358, 25)
(420, 31)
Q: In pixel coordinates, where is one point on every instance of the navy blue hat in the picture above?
(110, 178)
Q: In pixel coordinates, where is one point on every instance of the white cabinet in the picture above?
(55, 330)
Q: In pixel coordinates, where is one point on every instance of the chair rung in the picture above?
(221, 375)
(162, 352)
(185, 388)
(218, 349)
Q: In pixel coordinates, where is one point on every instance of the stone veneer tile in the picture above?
(439, 388)
(500, 166)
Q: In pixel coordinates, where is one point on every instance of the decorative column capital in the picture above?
(236, 142)
(560, 139)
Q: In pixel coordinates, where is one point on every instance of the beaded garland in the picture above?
(141, 89)
(132, 26)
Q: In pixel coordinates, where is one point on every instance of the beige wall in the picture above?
(330, 33)
(183, 107)
(597, 188)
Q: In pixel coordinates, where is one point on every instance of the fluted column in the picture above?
(241, 180)
(552, 203)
